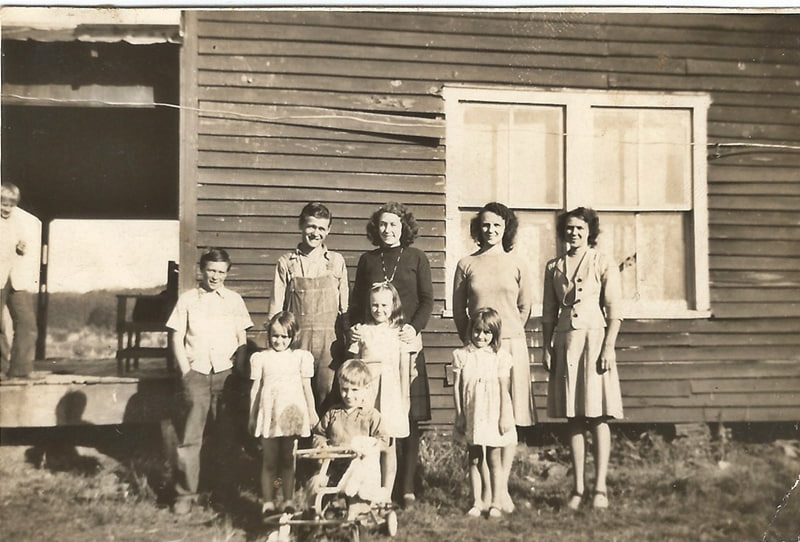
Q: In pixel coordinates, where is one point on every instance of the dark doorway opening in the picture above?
(84, 134)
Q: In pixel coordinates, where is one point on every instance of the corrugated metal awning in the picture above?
(135, 26)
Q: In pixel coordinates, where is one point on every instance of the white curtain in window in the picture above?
(512, 154)
(642, 158)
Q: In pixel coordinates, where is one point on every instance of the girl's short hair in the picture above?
(287, 321)
(214, 254)
(314, 209)
(588, 215)
(396, 318)
(508, 216)
(487, 318)
(409, 223)
(355, 372)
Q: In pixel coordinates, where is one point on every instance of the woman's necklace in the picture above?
(386, 278)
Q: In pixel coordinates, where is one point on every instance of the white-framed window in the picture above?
(637, 158)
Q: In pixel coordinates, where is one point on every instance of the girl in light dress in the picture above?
(389, 359)
(281, 406)
(484, 413)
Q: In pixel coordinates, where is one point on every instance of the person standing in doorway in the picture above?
(20, 241)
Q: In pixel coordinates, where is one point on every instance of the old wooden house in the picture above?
(681, 128)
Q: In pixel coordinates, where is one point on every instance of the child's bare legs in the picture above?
(277, 470)
(286, 470)
(389, 467)
(497, 476)
(577, 443)
(486, 495)
(601, 434)
(507, 460)
(478, 478)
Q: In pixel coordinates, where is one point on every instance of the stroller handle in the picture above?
(326, 452)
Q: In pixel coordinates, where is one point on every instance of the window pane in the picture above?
(481, 169)
(662, 267)
(511, 153)
(650, 249)
(642, 157)
(535, 244)
(618, 239)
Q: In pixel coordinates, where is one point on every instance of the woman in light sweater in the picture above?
(495, 277)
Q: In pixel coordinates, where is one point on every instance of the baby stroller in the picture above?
(348, 504)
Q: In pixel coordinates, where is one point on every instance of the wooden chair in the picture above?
(145, 313)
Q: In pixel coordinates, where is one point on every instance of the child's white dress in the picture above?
(381, 348)
(282, 408)
(481, 370)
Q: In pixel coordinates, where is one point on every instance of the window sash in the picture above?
(687, 202)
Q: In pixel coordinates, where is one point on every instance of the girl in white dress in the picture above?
(484, 413)
(389, 359)
(281, 406)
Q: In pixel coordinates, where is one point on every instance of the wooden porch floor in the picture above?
(81, 392)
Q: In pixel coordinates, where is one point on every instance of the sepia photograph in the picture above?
(367, 272)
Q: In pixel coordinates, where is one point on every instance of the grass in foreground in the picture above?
(687, 488)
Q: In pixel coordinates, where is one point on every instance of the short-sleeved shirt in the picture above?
(338, 426)
(209, 323)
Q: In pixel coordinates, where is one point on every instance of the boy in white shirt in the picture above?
(210, 324)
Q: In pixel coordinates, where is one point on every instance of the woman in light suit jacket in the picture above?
(581, 318)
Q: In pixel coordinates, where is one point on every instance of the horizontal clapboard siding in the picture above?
(345, 107)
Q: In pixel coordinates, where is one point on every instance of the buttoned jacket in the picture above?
(585, 300)
(21, 269)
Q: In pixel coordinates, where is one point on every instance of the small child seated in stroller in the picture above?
(357, 426)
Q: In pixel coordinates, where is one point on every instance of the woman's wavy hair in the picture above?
(410, 227)
(508, 216)
(588, 215)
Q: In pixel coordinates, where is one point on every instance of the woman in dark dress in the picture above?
(392, 228)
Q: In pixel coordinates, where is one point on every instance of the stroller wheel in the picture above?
(391, 523)
(359, 533)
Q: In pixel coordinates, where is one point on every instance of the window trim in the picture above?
(577, 104)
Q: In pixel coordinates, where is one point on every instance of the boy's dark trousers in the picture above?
(207, 419)
(17, 358)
